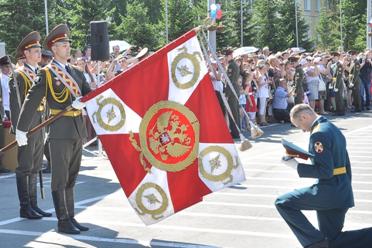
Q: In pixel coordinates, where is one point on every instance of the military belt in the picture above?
(70, 113)
(339, 171)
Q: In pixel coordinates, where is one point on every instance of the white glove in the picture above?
(77, 104)
(290, 162)
(21, 137)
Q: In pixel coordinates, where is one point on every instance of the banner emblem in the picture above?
(151, 199)
(216, 164)
(107, 114)
(169, 136)
(185, 69)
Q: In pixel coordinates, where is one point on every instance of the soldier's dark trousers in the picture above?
(330, 223)
(33, 196)
(365, 91)
(357, 101)
(24, 198)
(29, 164)
(65, 160)
(234, 106)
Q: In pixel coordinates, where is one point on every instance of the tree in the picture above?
(268, 31)
(136, 27)
(287, 15)
(18, 18)
(328, 30)
(79, 14)
(353, 24)
(230, 35)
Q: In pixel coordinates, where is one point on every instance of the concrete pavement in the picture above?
(240, 216)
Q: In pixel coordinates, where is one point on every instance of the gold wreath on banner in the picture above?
(111, 113)
(169, 137)
(216, 163)
(146, 193)
(181, 64)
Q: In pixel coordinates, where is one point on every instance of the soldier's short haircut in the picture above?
(301, 108)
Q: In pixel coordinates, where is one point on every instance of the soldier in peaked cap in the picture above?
(62, 85)
(30, 156)
(331, 196)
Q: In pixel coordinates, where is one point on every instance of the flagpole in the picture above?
(211, 34)
(342, 42)
(295, 2)
(166, 21)
(241, 23)
(46, 17)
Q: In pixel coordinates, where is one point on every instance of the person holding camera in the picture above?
(365, 76)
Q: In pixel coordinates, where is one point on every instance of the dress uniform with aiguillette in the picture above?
(330, 197)
(62, 85)
(30, 156)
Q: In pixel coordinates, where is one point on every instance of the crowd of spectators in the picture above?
(269, 84)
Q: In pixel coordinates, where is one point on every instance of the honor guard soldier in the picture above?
(62, 85)
(331, 196)
(299, 82)
(355, 80)
(337, 71)
(233, 72)
(30, 156)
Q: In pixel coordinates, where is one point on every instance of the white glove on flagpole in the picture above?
(21, 137)
(77, 104)
(290, 162)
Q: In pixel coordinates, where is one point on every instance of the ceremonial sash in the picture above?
(30, 74)
(66, 79)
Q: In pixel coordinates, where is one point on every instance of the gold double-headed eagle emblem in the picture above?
(169, 137)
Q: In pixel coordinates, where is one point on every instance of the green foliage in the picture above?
(230, 35)
(353, 26)
(79, 14)
(136, 27)
(18, 18)
(287, 15)
(268, 30)
(268, 23)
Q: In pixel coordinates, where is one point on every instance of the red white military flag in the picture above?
(164, 132)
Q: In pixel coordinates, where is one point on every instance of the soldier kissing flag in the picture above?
(163, 131)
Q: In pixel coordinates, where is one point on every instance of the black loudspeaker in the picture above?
(99, 41)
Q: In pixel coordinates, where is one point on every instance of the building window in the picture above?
(317, 7)
(307, 5)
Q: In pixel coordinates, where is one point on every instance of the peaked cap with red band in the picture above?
(31, 40)
(60, 33)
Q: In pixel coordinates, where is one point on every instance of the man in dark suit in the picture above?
(30, 156)
(331, 196)
(62, 85)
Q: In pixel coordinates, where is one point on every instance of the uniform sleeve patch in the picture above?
(318, 147)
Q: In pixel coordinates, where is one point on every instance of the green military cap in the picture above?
(5, 60)
(293, 150)
(31, 40)
(60, 33)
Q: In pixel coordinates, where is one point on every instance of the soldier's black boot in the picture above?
(71, 210)
(64, 223)
(33, 196)
(24, 199)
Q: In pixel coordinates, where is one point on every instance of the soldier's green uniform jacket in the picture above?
(339, 87)
(355, 79)
(24, 85)
(233, 72)
(331, 165)
(58, 97)
(300, 84)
